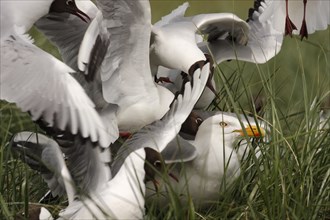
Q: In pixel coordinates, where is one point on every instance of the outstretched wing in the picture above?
(42, 85)
(217, 25)
(176, 15)
(158, 134)
(179, 150)
(44, 155)
(125, 71)
(264, 42)
(84, 166)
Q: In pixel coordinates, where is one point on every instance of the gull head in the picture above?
(153, 163)
(225, 128)
(68, 6)
(192, 123)
(216, 143)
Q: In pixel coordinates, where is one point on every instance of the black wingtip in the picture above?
(256, 5)
(64, 138)
(29, 152)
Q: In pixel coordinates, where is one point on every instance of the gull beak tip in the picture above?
(253, 131)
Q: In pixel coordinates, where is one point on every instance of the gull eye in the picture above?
(69, 2)
(223, 124)
(199, 121)
(157, 163)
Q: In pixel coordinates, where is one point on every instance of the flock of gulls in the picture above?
(121, 76)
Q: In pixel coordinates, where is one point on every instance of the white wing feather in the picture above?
(37, 147)
(39, 83)
(176, 15)
(158, 134)
(263, 44)
(125, 71)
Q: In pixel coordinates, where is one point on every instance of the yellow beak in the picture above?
(253, 131)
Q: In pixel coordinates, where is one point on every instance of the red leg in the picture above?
(303, 30)
(209, 80)
(289, 25)
(125, 134)
(163, 80)
(210, 86)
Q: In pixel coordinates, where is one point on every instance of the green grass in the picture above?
(292, 178)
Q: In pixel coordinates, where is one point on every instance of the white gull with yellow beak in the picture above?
(216, 165)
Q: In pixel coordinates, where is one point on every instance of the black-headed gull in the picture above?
(115, 81)
(173, 41)
(125, 70)
(216, 164)
(39, 83)
(66, 31)
(261, 41)
(265, 37)
(123, 196)
(301, 17)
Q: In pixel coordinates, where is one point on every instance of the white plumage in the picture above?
(39, 83)
(123, 196)
(216, 165)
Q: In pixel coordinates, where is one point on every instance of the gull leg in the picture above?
(163, 80)
(289, 25)
(209, 80)
(303, 30)
(125, 134)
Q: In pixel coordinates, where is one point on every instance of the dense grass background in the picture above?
(290, 181)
